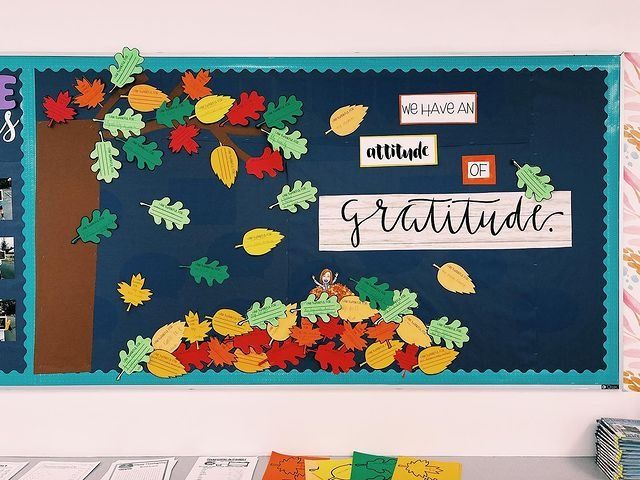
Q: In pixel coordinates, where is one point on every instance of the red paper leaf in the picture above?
(248, 107)
(196, 355)
(382, 332)
(286, 352)
(352, 336)
(256, 339)
(269, 162)
(58, 110)
(183, 136)
(407, 359)
(335, 360)
(195, 86)
(331, 328)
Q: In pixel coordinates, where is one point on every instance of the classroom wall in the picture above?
(460, 421)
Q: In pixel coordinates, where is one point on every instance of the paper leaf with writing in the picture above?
(287, 110)
(267, 313)
(137, 352)
(106, 165)
(298, 196)
(319, 308)
(173, 215)
(183, 137)
(195, 330)
(260, 241)
(537, 185)
(229, 323)
(382, 332)
(128, 63)
(146, 155)
(354, 310)
(434, 360)
(269, 162)
(282, 331)
(163, 364)
(351, 337)
(256, 340)
(377, 294)
(210, 272)
(249, 107)
(146, 98)
(58, 110)
(451, 333)
(287, 352)
(290, 144)
(91, 94)
(333, 359)
(195, 86)
(407, 359)
(193, 356)
(403, 302)
(455, 278)
(305, 335)
(213, 108)
(129, 122)
(220, 353)
(174, 111)
(252, 362)
(331, 329)
(381, 355)
(346, 120)
(99, 225)
(224, 163)
(132, 293)
(168, 337)
(413, 330)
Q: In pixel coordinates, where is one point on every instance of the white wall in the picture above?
(124, 421)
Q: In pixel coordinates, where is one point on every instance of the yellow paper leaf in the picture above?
(224, 163)
(133, 293)
(455, 279)
(252, 362)
(347, 119)
(434, 360)
(381, 354)
(353, 310)
(413, 330)
(226, 322)
(168, 337)
(282, 331)
(195, 331)
(212, 108)
(146, 98)
(164, 365)
(260, 241)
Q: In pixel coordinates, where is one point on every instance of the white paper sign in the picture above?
(223, 468)
(398, 151)
(434, 108)
(470, 221)
(9, 469)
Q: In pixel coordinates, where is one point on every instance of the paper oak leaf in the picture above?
(407, 359)
(269, 162)
(267, 313)
(331, 329)
(319, 308)
(146, 155)
(224, 163)
(132, 293)
(195, 331)
(129, 122)
(249, 107)
(434, 360)
(99, 225)
(455, 278)
(174, 111)
(173, 215)
(305, 335)
(91, 94)
(137, 352)
(287, 352)
(287, 110)
(537, 185)
(183, 137)
(164, 364)
(301, 195)
(211, 272)
(213, 108)
(106, 165)
(260, 241)
(255, 340)
(333, 359)
(58, 110)
(403, 302)
(346, 120)
(194, 86)
(193, 356)
(146, 98)
(382, 332)
(377, 294)
(220, 353)
(351, 337)
(451, 333)
(290, 144)
(128, 63)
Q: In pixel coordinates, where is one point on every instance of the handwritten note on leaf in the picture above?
(101, 223)
(173, 215)
(287, 110)
(455, 278)
(128, 64)
(301, 195)
(227, 322)
(269, 312)
(433, 360)
(537, 186)
(168, 337)
(315, 309)
(133, 294)
(163, 364)
(452, 333)
(380, 355)
(129, 122)
(346, 120)
(260, 241)
(213, 108)
(224, 163)
(145, 98)
(290, 144)
(146, 155)
(403, 302)
(137, 352)
(211, 272)
(106, 165)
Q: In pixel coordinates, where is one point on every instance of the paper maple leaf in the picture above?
(195, 331)
(183, 137)
(196, 356)
(335, 360)
(91, 93)
(382, 332)
(407, 359)
(269, 162)
(352, 336)
(220, 352)
(256, 339)
(305, 335)
(58, 110)
(195, 85)
(133, 293)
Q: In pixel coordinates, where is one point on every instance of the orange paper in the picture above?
(286, 467)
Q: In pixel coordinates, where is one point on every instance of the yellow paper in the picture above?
(212, 108)
(354, 310)
(224, 163)
(410, 468)
(380, 355)
(413, 330)
(260, 241)
(228, 322)
(331, 469)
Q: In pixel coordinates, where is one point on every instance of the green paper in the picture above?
(147, 155)
(269, 312)
(173, 215)
(100, 224)
(210, 272)
(300, 195)
(175, 111)
(378, 295)
(287, 110)
(105, 166)
(129, 122)
(127, 64)
(538, 186)
(137, 352)
(403, 302)
(291, 144)
(452, 334)
(372, 467)
(319, 308)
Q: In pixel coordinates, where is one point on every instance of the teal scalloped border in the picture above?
(611, 64)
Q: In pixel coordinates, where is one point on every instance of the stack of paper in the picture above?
(618, 448)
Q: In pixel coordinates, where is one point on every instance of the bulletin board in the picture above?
(429, 221)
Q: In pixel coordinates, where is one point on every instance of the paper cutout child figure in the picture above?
(327, 278)
(329, 283)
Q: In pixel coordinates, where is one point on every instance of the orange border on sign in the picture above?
(490, 180)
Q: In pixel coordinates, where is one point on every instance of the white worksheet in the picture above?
(60, 471)
(223, 468)
(9, 469)
(145, 469)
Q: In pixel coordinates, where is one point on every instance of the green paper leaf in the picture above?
(319, 308)
(372, 467)
(127, 64)
(452, 334)
(403, 302)
(287, 110)
(378, 295)
(175, 111)
(105, 166)
(291, 144)
(173, 215)
(300, 195)
(147, 155)
(538, 186)
(137, 352)
(100, 224)
(210, 272)
(269, 312)
(129, 122)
